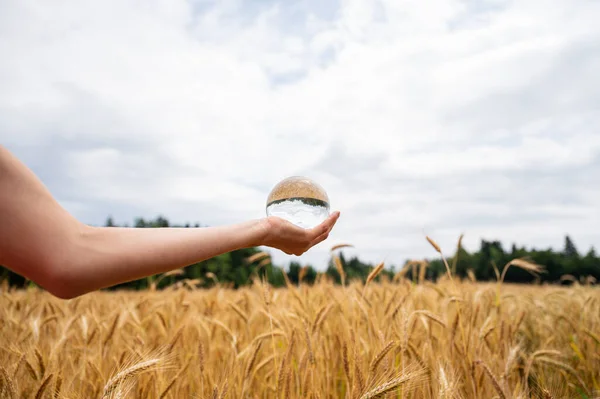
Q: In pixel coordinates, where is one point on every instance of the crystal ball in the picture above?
(300, 201)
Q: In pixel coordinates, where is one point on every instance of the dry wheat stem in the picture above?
(393, 384)
(129, 372)
(379, 357)
(43, 386)
(492, 377)
(9, 387)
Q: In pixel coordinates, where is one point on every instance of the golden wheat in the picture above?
(451, 339)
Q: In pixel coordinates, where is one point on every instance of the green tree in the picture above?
(570, 251)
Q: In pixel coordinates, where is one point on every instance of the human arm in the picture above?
(40, 240)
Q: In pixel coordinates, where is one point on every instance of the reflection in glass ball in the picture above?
(300, 201)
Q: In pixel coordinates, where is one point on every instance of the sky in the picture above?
(418, 118)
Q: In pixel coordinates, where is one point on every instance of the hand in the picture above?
(294, 240)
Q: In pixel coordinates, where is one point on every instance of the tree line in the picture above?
(241, 267)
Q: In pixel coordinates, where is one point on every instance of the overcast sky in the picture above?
(479, 117)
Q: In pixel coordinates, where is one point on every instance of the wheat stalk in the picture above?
(43, 386)
(340, 270)
(9, 387)
(174, 379)
(257, 256)
(492, 377)
(393, 384)
(379, 357)
(284, 361)
(321, 314)
(522, 264)
(339, 246)
(128, 373)
(372, 276)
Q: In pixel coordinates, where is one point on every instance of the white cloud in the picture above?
(475, 117)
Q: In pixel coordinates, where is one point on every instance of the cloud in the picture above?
(476, 117)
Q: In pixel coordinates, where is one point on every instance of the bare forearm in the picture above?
(43, 242)
(107, 256)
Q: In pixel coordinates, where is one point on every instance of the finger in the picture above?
(320, 239)
(330, 222)
(325, 226)
(334, 216)
(333, 219)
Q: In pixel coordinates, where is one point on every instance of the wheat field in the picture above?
(392, 339)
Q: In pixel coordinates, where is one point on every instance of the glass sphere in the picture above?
(300, 201)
